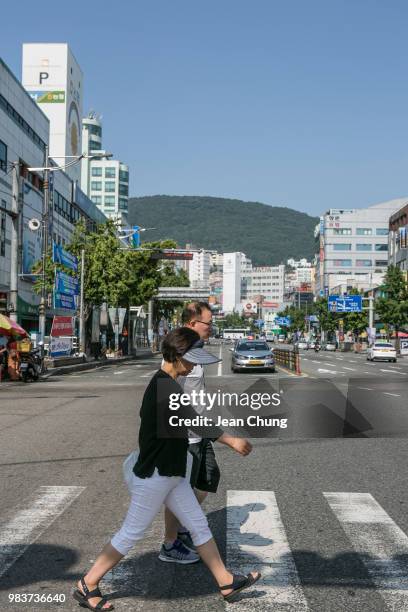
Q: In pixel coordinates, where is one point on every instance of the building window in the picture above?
(96, 171)
(123, 189)
(110, 172)
(381, 231)
(22, 123)
(342, 246)
(342, 231)
(96, 199)
(381, 247)
(341, 263)
(96, 185)
(364, 247)
(381, 262)
(95, 129)
(124, 176)
(363, 263)
(3, 156)
(3, 230)
(94, 145)
(364, 231)
(123, 204)
(110, 201)
(110, 186)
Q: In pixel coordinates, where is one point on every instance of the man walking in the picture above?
(178, 546)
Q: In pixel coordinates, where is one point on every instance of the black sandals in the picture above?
(239, 583)
(83, 598)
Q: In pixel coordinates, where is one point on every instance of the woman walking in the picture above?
(162, 476)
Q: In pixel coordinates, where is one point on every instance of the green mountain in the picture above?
(267, 234)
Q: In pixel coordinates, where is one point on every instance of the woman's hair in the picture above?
(178, 342)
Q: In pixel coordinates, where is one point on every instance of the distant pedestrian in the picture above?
(161, 475)
(3, 361)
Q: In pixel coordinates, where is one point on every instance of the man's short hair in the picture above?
(193, 311)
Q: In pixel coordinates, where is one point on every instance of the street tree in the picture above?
(328, 321)
(355, 322)
(393, 306)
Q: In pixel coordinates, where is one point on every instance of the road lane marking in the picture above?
(393, 394)
(368, 372)
(315, 361)
(346, 368)
(394, 372)
(380, 542)
(256, 540)
(339, 358)
(31, 520)
(219, 371)
(365, 388)
(148, 374)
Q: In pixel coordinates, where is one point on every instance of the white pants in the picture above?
(148, 496)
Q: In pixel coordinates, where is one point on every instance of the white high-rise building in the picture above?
(53, 78)
(104, 180)
(231, 281)
(199, 269)
(266, 281)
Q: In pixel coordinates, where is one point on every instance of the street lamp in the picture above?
(75, 159)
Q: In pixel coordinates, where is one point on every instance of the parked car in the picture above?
(312, 344)
(302, 344)
(281, 338)
(250, 354)
(329, 346)
(382, 351)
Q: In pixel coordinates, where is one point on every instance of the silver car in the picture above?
(252, 354)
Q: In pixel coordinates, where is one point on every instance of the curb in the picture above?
(92, 365)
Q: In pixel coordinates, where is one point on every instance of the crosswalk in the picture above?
(256, 538)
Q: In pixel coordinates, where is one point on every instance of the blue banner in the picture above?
(61, 256)
(65, 301)
(66, 284)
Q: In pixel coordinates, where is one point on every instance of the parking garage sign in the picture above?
(344, 303)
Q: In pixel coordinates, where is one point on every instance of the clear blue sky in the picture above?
(301, 103)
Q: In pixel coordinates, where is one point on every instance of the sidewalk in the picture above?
(92, 364)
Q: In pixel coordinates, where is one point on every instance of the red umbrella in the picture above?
(401, 334)
(11, 328)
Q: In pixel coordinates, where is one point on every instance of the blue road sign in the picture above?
(344, 303)
(283, 321)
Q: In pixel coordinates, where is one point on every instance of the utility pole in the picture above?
(81, 307)
(14, 249)
(45, 216)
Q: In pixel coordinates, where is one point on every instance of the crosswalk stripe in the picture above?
(256, 540)
(31, 520)
(383, 546)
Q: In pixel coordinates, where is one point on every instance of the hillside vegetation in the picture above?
(267, 234)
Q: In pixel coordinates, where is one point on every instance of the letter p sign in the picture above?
(43, 77)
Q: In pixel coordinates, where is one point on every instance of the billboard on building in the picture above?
(53, 78)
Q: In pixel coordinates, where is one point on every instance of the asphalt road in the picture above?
(324, 518)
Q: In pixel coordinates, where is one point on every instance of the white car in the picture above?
(302, 344)
(383, 351)
(330, 346)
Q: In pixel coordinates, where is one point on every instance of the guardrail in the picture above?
(287, 358)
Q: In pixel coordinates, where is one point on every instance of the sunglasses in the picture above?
(204, 322)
